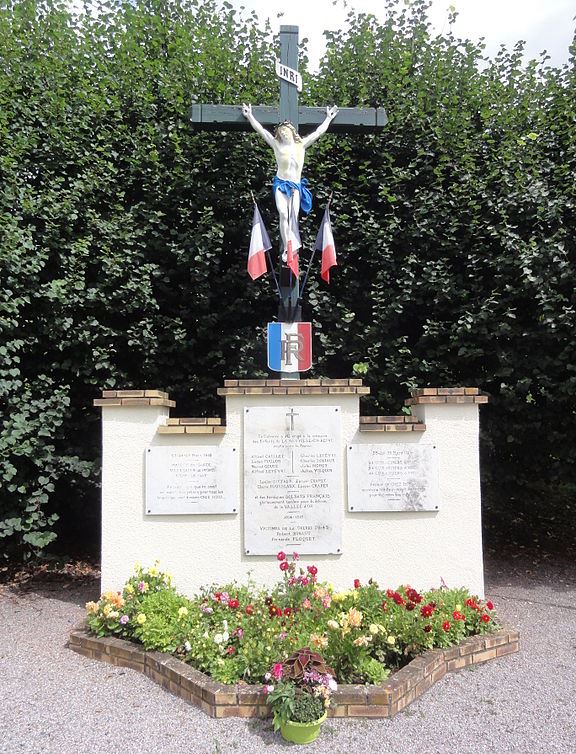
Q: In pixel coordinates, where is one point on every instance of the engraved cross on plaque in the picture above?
(291, 416)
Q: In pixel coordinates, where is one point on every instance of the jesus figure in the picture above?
(290, 189)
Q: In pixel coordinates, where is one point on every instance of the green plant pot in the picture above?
(302, 733)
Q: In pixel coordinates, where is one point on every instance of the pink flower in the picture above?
(284, 565)
(281, 555)
(356, 583)
(141, 586)
(277, 671)
(268, 689)
(312, 570)
(327, 601)
(306, 604)
(295, 556)
(291, 581)
(304, 581)
(124, 620)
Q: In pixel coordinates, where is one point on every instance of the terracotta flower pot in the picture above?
(302, 733)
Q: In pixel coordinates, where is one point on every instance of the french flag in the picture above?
(259, 245)
(325, 244)
(294, 243)
(289, 346)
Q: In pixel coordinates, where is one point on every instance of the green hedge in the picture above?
(124, 234)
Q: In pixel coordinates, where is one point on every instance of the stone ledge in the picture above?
(240, 700)
(443, 395)
(295, 388)
(311, 382)
(403, 423)
(134, 398)
(192, 429)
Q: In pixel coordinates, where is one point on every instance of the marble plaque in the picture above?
(393, 477)
(187, 480)
(292, 480)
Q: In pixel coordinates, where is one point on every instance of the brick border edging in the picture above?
(221, 700)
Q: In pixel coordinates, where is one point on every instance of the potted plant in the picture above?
(299, 691)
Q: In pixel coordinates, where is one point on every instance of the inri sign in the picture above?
(289, 75)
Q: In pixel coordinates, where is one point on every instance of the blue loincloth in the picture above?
(287, 187)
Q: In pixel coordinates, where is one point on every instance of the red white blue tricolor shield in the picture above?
(289, 346)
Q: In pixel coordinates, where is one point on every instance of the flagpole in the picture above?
(311, 259)
(267, 252)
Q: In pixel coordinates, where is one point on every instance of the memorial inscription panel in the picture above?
(188, 480)
(292, 480)
(392, 477)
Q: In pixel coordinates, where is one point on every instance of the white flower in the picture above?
(225, 624)
(332, 685)
(225, 636)
(187, 646)
(218, 638)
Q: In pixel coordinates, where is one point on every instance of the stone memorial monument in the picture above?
(295, 466)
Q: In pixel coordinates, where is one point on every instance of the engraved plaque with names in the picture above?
(393, 477)
(292, 480)
(189, 480)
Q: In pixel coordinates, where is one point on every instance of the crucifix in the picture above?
(303, 120)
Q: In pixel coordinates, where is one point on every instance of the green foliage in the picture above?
(164, 627)
(307, 709)
(119, 261)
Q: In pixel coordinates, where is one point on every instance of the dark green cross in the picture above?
(304, 119)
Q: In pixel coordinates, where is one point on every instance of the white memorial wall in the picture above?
(293, 473)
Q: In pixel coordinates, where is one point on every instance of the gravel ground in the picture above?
(54, 701)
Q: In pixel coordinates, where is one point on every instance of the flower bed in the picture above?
(226, 638)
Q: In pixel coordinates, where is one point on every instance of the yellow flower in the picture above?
(458, 607)
(391, 640)
(373, 629)
(153, 571)
(141, 619)
(354, 617)
(182, 612)
(106, 610)
(319, 641)
(339, 596)
(333, 624)
(129, 589)
(91, 607)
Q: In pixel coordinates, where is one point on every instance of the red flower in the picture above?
(456, 615)
(312, 570)
(269, 601)
(303, 580)
(278, 612)
(428, 628)
(446, 626)
(281, 555)
(490, 605)
(233, 604)
(249, 610)
(356, 583)
(426, 611)
(230, 650)
(410, 606)
(288, 611)
(471, 602)
(413, 595)
(485, 618)
(384, 606)
(398, 598)
(390, 593)
(284, 565)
